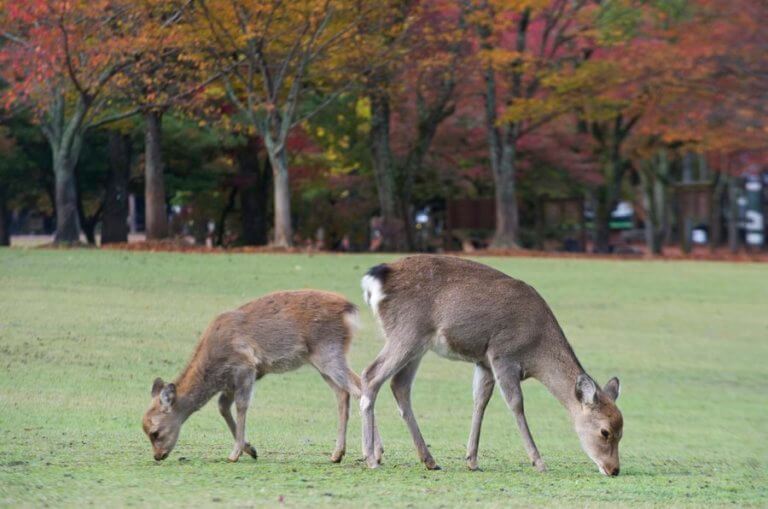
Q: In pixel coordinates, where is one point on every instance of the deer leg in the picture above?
(342, 398)
(401, 388)
(508, 377)
(225, 409)
(243, 391)
(332, 365)
(482, 389)
(354, 382)
(390, 360)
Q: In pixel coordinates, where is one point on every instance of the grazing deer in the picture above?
(466, 311)
(277, 333)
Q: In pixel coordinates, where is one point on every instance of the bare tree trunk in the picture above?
(114, 226)
(154, 189)
(255, 184)
(5, 218)
(393, 225)
(282, 195)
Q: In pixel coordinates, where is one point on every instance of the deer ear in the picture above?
(157, 386)
(586, 390)
(168, 395)
(613, 388)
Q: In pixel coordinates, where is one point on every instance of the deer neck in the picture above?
(193, 390)
(559, 374)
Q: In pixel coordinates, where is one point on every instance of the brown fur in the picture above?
(273, 334)
(467, 311)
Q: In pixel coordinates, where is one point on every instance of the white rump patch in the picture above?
(373, 293)
(352, 321)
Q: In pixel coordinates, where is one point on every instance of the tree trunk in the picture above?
(5, 218)
(654, 230)
(67, 219)
(393, 226)
(254, 183)
(716, 213)
(602, 220)
(703, 167)
(87, 224)
(607, 201)
(507, 223)
(221, 224)
(501, 152)
(154, 189)
(733, 215)
(65, 138)
(687, 175)
(114, 226)
(282, 196)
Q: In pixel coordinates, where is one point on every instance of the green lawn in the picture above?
(83, 334)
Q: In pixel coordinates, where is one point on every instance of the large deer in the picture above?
(466, 311)
(277, 333)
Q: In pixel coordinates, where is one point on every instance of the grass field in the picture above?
(84, 333)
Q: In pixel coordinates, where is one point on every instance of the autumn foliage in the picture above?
(384, 108)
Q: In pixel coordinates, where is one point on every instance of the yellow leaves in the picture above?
(528, 109)
(363, 108)
(518, 6)
(503, 59)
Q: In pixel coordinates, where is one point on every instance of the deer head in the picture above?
(599, 423)
(162, 421)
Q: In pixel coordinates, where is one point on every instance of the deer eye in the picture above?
(605, 433)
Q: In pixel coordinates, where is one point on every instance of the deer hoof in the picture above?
(337, 456)
(431, 465)
(540, 465)
(251, 451)
(472, 465)
(372, 463)
(235, 455)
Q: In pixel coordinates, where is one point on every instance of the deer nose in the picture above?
(161, 456)
(615, 472)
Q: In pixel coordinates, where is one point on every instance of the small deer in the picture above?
(277, 333)
(466, 311)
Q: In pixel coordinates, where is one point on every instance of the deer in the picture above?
(276, 333)
(466, 311)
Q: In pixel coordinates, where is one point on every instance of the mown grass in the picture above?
(84, 333)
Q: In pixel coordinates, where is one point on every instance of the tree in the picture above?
(114, 227)
(689, 77)
(58, 57)
(528, 48)
(417, 49)
(276, 51)
(167, 75)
